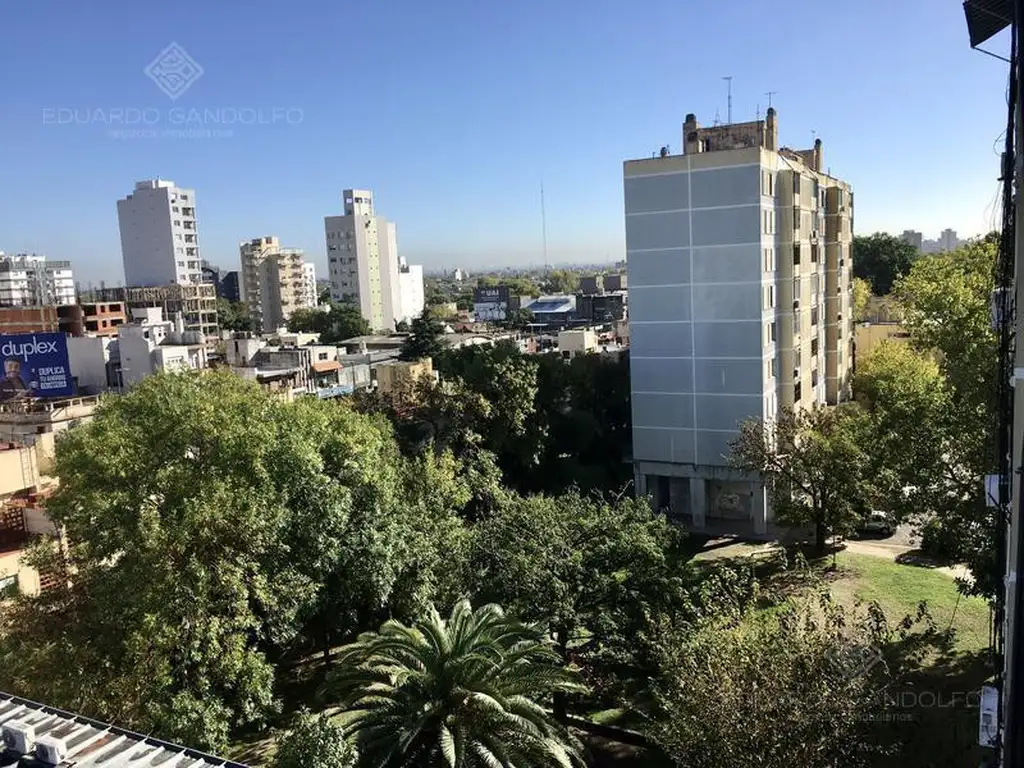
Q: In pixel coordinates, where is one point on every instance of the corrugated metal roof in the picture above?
(91, 744)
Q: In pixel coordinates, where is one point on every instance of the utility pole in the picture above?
(728, 112)
(544, 225)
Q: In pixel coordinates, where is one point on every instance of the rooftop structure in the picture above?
(38, 735)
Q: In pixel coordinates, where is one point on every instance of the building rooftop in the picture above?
(28, 728)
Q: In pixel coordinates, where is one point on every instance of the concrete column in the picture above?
(759, 509)
(640, 483)
(698, 501)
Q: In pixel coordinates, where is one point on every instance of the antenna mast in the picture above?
(544, 225)
(769, 94)
(728, 80)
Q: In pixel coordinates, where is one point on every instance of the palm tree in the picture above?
(455, 693)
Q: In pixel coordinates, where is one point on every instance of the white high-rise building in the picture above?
(309, 293)
(410, 290)
(363, 263)
(31, 280)
(159, 238)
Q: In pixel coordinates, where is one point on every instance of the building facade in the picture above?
(739, 284)
(273, 281)
(309, 297)
(29, 319)
(411, 300)
(92, 319)
(196, 304)
(913, 237)
(31, 280)
(364, 267)
(159, 235)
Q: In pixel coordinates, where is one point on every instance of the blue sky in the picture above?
(455, 111)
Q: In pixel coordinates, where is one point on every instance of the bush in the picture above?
(315, 741)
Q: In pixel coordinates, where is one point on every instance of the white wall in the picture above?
(410, 284)
(88, 357)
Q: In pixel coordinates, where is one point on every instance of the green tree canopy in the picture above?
(562, 281)
(463, 692)
(234, 316)
(315, 742)
(797, 686)
(592, 571)
(208, 527)
(334, 322)
(861, 299)
(814, 463)
(425, 340)
(881, 259)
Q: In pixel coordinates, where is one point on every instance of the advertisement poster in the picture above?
(490, 304)
(35, 365)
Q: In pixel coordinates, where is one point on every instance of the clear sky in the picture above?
(456, 111)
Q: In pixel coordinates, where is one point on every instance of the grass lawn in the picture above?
(899, 588)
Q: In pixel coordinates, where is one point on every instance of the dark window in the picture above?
(796, 392)
(796, 253)
(814, 347)
(771, 332)
(814, 319)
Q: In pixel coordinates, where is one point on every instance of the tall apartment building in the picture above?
(309, 289)
(31, 280)
(913, 237)
(159, 237)
(948, 241)
(363, 263)
(740, 282)
(273, 281)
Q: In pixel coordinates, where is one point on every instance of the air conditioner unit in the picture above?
(19, 736)
(52, 750)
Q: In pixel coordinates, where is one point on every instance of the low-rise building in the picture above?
(29, 320)
(37, 423)
(151, 344)
(553, 312)
(581, 341)
(94, 318)
(196, 304)
(394, 374)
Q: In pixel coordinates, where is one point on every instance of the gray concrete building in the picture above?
(739, 280)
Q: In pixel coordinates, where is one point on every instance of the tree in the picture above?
(798, 686)
(334, 322)
(562, 281)
(460, 693)
(519, 319)
(315, 741)
(592, 571)
(184, 504)
(881, 259)
(861, 299)
(813, 462)
(425, 338)
(234, 316)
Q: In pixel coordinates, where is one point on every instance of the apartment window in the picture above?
(771, 331)
(796, 291)
(814, 284)
(796, 391)
(184, 198)
(796, 254)
(181, 263)
(796, 218)
(767, 260)
(799, 357)
(767, 227)
(814, 377)
(769, 296)
(814, 347)
(796, 183)
(814, 188)
(796, 323)
(174, 208)
(771, 183)
(814, 317)
(771, 368)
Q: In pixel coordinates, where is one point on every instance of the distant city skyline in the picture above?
(469, 114)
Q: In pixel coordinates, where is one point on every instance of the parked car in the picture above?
(877, 522)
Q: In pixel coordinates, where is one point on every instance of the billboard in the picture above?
(491, 304)
(35, 365)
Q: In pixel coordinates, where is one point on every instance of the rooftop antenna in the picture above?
(544, 225)
(814, 136)
(728, 82)
(769, 94)
(757, 109)
(718, 119)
